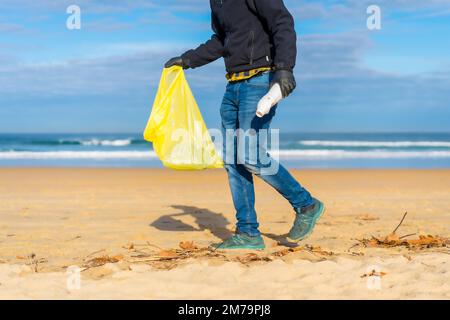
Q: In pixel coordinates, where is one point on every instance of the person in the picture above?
(257, 40)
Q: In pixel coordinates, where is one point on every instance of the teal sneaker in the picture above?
(305, 221)
(241, 241)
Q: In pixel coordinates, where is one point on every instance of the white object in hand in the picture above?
(269, 100)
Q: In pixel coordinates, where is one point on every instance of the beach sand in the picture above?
(123, 228)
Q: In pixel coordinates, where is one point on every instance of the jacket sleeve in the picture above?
(208, 52)
(280, 24)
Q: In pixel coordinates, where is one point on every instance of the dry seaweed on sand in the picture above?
(33, 260)
(393, 240)
(374, 273)
(307, 248)
(367, 217)
(186, 250)
(102, 260)
(188, 245)
(318, 250)
(284, 252)
(170, 258)
(253, 257)
(423, 242)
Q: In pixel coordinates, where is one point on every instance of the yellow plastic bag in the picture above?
(176, 127)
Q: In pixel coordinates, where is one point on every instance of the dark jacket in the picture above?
(248, 34)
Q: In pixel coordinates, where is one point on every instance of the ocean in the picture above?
(297, 150)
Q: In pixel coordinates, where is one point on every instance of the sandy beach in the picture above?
(123, 229)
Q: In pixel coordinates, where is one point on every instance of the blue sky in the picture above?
(103, 78)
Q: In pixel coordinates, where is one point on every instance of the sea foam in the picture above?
(385, 144)
(283, 154)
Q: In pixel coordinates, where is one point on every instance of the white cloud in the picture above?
(352, 13)
(330, 71)
(108, 6)
(11, 27)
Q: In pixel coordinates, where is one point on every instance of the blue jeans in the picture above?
(238, 111)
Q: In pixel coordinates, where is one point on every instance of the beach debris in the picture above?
(407, 257)
(129, 246)
(253, 257)
(74, 238)
(142, 250)
(153, 245)
(393, 240)
(356, 254)
(169, 254)
(95, 252)
(102, 260)
(284, 252)
(188, 245)
(398, 226)
(374, 273)
(367, 217)
(34, 261)
(318, 250)
(307, 248)
(167, 259)
(423, 242)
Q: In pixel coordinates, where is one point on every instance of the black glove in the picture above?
(177, 61)
(286, 80)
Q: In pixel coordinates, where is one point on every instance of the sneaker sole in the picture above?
(322, 211)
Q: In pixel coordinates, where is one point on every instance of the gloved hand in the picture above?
(176, 61)
(286, 80)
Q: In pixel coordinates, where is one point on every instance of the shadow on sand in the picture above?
(204, 219)
(282, 240)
